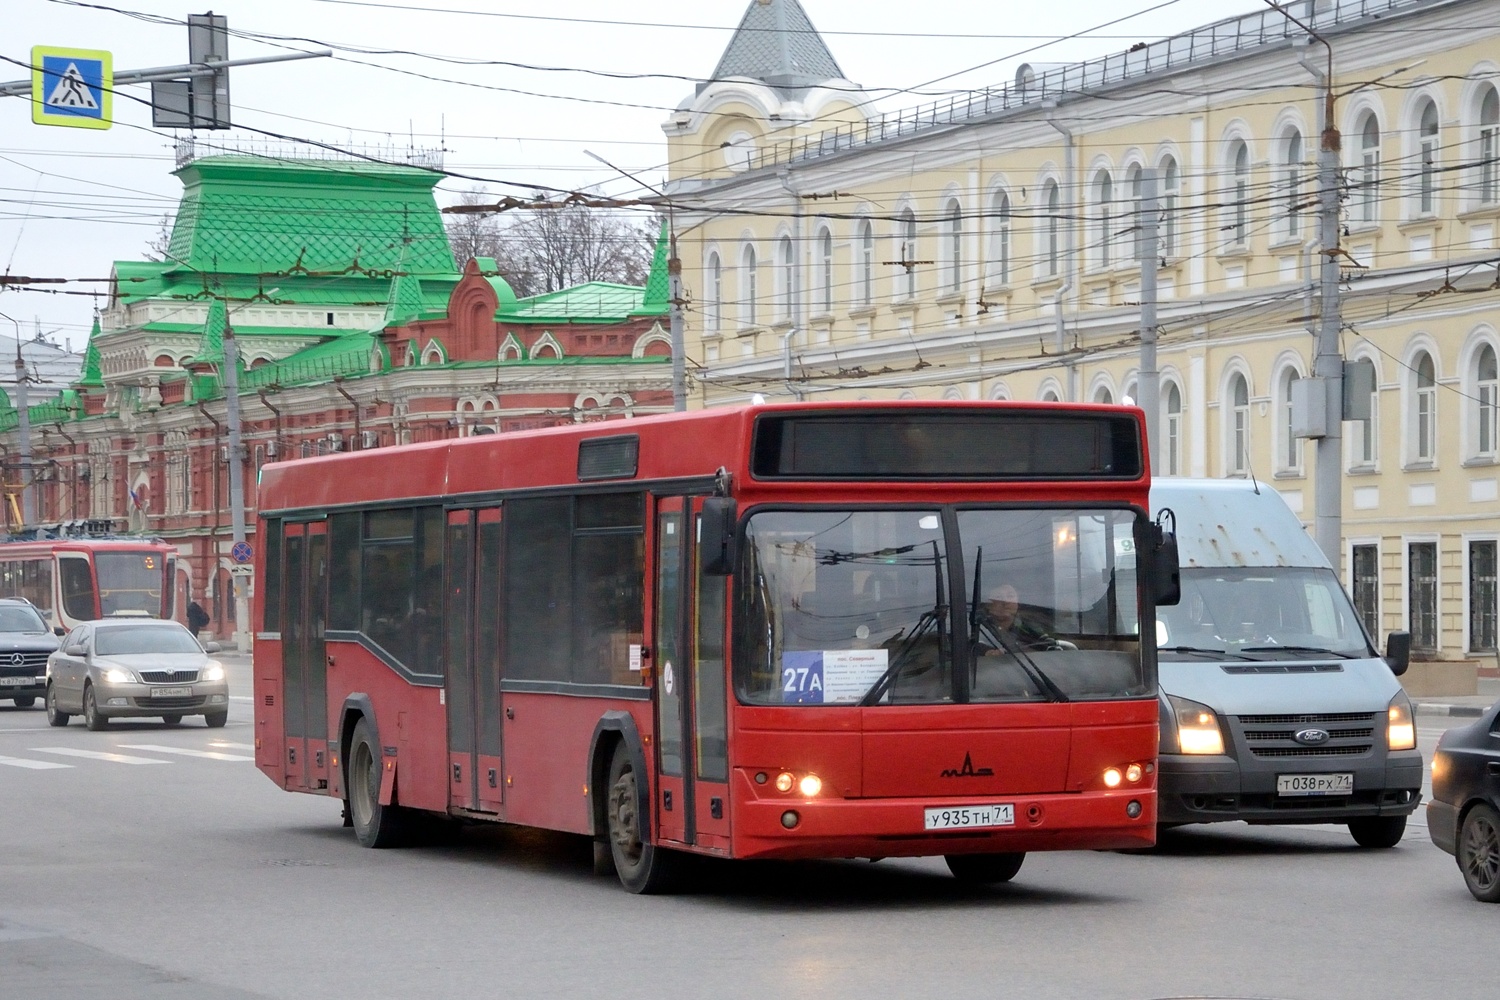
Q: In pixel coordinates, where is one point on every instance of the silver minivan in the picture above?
(1275, 705)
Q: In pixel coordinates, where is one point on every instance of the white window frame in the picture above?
(713, 310)
(998, 265)
(749, 285)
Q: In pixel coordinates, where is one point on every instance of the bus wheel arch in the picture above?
(617, 765)
(369, 786)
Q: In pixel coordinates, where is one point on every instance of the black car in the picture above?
(1463, 817)
(25, 643)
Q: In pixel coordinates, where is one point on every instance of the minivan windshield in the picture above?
(878, 606)
(1261, 612)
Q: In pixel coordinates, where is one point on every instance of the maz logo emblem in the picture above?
(1311, 737)
(967, 771)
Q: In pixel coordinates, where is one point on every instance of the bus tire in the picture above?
(26, 701)
(55, 717)
(91, 716)
(215, 720)
(1378, 831)
(985, 869)
(374, 824)
(641, 866)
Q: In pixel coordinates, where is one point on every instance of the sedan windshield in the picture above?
(1260, 613)
(868, 607)
(144, 639)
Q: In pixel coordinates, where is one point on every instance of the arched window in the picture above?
(786, 277)
(1291, 166)
(1485, 403)
(998, 270)
(1291, 445)
(749, 286)
(1054, 228)
(1365, 441)
(1172, 430)
(1424, 412)
(1427, 138)
(714, 309)
(1240, 218)
(1104, 190)
(953, 245)
(1238, 426)
(1050, 396)
(1103, 395)
(1171, 187)
(1367, 181)
(825, 271)
(907, 223)
(866, 263)
(1489, 147)
(179, 473)
(1137, 227)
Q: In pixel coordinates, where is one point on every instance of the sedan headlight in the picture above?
(1197, 727)
(1400, 730)
(213, 672)
(117, 676)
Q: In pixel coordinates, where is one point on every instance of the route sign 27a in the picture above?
(73, 87)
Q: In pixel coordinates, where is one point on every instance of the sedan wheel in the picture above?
(91, 716)
(54, 716)
(1479, 853)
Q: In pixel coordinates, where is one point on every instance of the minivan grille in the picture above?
(1305, 720)
(1350, 734)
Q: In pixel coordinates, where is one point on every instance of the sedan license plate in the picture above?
(969, 817)
(171, 692)
(1315, 784)
(16, 682)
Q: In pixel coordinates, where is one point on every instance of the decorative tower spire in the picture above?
(777, 44)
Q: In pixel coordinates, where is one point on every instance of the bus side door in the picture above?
(472, 612)
(304, 699)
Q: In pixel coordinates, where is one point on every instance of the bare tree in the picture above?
(161, 241)
(572, 244)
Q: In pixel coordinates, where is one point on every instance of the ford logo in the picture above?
(1311, 737)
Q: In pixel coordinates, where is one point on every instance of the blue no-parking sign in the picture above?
(242, 552)
(73, 87)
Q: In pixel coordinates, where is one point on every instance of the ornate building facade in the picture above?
(988, 246)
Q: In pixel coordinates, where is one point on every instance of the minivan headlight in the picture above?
(1400, 729)
(1197, 727)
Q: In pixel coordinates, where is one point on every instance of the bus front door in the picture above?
(692, 801)
(304, 659)
(472, 639)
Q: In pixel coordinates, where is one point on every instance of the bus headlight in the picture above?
(1197, 727)
(1400, 730)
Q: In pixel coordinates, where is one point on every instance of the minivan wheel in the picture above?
(1478, 853)
(91, 716)
(1378, 831)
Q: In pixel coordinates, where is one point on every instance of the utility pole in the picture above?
(240, 572)
(1328, 360)
(1148, 386)
(23, 431)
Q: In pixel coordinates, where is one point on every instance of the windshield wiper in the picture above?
(1315, 650)
(1033, 671)
(1199, 649)
(931, 621)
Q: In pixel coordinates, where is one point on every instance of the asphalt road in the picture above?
(147, 862)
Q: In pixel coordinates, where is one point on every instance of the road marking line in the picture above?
(117, 758)
(183, 751)
(35, 765)
(232, 746)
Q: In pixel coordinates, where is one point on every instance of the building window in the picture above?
(1137, 228)
(714, 309)
(1485, 403)
(1367, 182)
(1292, 181)
(1000, 223)
(1366, 566)
(1054, 229)
(1489, 147)
(1103, 395)
(1291, 450)
(1422, 595)
(1104, 190)
(1172, 432)
(1427, 138)
(1424, 413)
(179, 473)
(953, 245)
(786, 277)
(1483, 609)
(1240, 219)
(749, 278)
(1171, 185)
(866, 263)
(907, 221)
(825, 271)
(1239, 426)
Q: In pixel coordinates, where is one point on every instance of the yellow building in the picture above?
(987, 247)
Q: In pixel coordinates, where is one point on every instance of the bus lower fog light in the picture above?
(810, 785)
(784, 781)
(1111, 777)
(1133, 773)
(1133, 809)
(790, 819)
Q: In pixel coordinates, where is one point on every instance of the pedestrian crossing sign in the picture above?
(73, 87)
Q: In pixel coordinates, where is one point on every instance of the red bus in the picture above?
(76, 579)
(748, 633)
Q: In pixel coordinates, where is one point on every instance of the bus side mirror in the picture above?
(716, 536)
(1398, 652)
(1166, 573)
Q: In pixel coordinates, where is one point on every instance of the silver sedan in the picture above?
(134, 668)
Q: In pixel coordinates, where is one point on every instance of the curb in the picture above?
(1439, 708)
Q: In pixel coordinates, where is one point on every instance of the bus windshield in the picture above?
(858, 606)
(129, 582)
(1261, 612)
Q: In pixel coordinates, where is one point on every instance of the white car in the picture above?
(134, 668)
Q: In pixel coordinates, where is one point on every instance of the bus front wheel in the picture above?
(642, 866)
(375, 825)
(985, 869)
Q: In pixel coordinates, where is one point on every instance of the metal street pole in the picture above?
(23, 430)
(239, 574)
(1148, 386)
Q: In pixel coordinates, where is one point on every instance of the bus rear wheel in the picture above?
(642, 866)
(985, 869)
(375, 825)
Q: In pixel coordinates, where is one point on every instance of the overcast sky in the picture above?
(72, 201)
